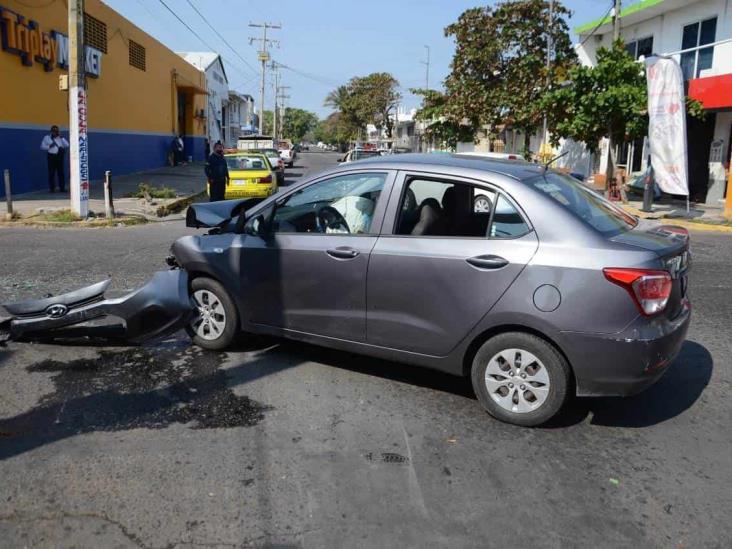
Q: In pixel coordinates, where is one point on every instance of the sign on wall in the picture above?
(667, 124)
(26, 39)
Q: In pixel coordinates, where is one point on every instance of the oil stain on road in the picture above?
(130, 389)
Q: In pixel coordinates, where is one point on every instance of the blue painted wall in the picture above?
(121, 153)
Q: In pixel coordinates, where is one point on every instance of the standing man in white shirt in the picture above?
(55, 147)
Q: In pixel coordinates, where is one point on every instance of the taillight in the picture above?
(281, 163)
(267, 179)
(649, 289)
(512, 157)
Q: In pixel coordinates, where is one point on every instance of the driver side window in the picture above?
(342, 205)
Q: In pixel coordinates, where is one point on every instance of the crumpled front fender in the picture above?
(159, 307)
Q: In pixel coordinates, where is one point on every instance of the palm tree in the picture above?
(337, 98)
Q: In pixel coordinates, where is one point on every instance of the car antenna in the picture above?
(546, 165)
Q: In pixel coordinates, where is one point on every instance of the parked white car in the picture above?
(288, 157)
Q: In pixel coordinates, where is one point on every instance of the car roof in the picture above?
(416, 161)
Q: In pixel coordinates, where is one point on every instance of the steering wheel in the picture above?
(328, 217)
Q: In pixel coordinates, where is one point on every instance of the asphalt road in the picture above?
(287, 445)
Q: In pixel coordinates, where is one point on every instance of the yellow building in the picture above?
(140, 93)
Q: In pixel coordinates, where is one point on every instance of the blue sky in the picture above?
(325, 41)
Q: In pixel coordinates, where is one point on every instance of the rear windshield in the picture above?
(592, 208)
(358, 155)
(240, 163)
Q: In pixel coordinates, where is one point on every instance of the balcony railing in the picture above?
(707, 60)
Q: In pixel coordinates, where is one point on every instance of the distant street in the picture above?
(288, 445)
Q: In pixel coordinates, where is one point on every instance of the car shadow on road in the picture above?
(678, 390)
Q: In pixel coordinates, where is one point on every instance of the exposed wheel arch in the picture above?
(491, 332)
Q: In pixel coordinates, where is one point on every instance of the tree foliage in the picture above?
(298, 122)
(334, 130)
(610, 98)
(365, 100)
(498, 72)
(440, 129)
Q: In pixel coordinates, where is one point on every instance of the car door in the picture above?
(308, 273)
(439, 265)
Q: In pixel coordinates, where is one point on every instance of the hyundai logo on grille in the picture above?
(57, 311)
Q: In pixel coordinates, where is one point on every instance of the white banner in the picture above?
(667, 124)
(79, 157)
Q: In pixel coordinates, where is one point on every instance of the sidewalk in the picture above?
(185, 180)
(672, 211)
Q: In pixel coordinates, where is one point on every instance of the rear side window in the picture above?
(507, 221)
(593, 209)
(431, 207)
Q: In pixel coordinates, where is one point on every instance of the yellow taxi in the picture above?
(250, 175)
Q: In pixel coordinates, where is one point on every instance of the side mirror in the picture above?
(256, 226)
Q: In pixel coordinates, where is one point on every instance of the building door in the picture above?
(699, 135)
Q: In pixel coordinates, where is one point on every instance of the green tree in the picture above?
(607, 100)
(498, 72)
(372, 99)
(441, 130)
(297, 122)
(337, 98)
(268, 123)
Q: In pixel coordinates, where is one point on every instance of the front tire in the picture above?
(519, 378)
(216, 324)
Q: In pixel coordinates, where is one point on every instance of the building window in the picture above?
(95, 33)
(695, 36)
(643, 47)
(137, 56)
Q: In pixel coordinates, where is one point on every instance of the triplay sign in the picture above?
(26, 39)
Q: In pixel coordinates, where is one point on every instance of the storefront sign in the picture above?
(667, 124)
(26, 39)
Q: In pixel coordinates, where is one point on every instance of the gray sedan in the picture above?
(549, 292)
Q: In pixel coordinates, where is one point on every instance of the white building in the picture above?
(239, 116)
(698, 34)
(217, 86)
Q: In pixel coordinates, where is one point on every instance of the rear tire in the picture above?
(519, 378)
(217, 324)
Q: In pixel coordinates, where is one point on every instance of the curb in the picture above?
(692, 225)
(99, 223)
(177, 205)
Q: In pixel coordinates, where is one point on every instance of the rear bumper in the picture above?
(628, 362)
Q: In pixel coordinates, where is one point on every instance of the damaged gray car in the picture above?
(547, 290)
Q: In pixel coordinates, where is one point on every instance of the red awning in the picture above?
(714, 92)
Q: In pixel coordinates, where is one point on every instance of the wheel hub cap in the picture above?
(517, 381)
(210, 322)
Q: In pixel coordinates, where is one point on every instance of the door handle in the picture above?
(343, 253)
(487, 261)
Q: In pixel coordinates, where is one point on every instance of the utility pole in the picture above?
(263, 58)
(545, 135)
(616, 20)
(79, 152)
(427, 72)
(276, 85)
(282, 98)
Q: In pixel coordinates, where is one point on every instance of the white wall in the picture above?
(218, 95)
(667, 30)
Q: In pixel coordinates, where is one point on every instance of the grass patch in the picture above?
(148, 191)
(59, 216)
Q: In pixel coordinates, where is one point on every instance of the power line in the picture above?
(601, 23)
(233, 65)
(221, 37)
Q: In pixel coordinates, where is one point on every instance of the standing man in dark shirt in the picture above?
(217, 173)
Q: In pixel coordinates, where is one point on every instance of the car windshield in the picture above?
(270, 152)
(241, 163)
(593, 209)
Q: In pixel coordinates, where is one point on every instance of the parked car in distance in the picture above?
(288, 157)
(278, 165)
(554, 292)
(359, 154)
(250, 175)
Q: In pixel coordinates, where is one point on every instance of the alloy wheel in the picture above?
(482, 205)
(517, 381)
(210, 322)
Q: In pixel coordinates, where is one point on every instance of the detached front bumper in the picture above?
(629, 362)
(160, 307)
